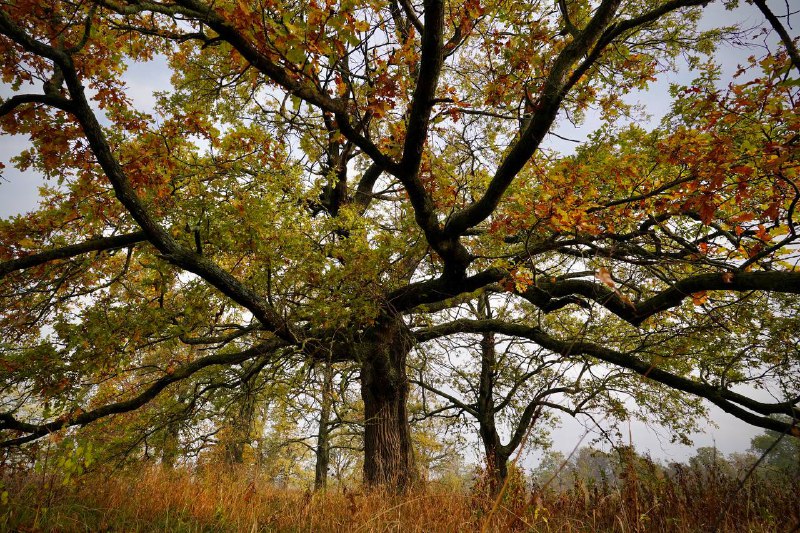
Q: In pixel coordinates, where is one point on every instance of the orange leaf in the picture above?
(605, 276)
(699, 298)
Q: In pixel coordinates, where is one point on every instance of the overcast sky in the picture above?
(18, 194)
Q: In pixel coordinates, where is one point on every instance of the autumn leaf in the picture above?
(604, 275)
(523, 278)
(323, 182)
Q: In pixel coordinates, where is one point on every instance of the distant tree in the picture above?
(548, 472)
(709, 460)
(782, 453)
(595, 468)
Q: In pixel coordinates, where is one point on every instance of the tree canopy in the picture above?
(341, 181)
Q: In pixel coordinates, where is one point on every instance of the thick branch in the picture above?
(264, 64)
(283, 77)
(528, 419)
(590, 42)
(617, 30)
(791, 49)
(437, 290)
(430, 68)
(363, 194)
(727, 400)
(160, 238)
(636, 313)
(92, 245)
(9, 105)
(408, 9)
(548, 105)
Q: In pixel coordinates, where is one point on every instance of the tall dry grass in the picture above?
(156, 499)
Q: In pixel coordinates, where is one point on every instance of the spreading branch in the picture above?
(35, 431)
(100, 244)
(746, 409)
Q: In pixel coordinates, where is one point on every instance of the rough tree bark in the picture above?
(388, 452)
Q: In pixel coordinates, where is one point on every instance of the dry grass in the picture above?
(154, 499)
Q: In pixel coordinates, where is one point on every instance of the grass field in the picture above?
(156, 499)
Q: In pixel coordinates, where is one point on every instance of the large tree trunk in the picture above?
(496, 454)
(388, 452)
(323, 450)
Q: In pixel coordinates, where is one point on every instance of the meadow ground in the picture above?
(157, 499)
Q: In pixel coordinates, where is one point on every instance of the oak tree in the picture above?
(322, 179)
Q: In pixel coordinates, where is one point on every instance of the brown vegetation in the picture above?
(690, 498)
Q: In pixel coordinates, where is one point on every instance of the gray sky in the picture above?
(19, 191)
(19, 194)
